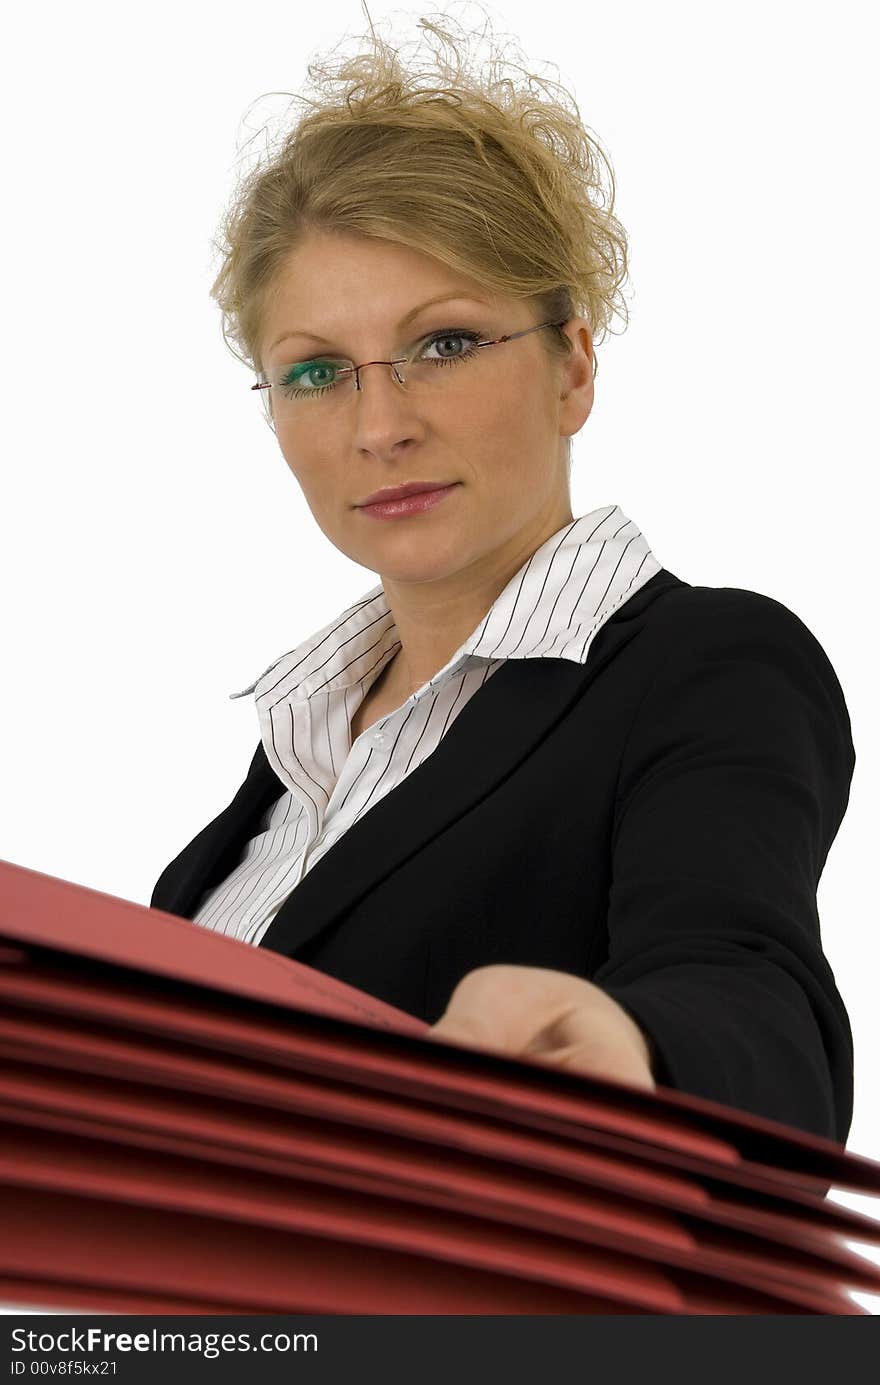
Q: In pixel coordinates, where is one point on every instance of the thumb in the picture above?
(457, 1030)
(489, 1008)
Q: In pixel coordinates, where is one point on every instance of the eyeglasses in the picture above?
(324, 383)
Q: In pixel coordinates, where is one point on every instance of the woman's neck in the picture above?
(434, 619)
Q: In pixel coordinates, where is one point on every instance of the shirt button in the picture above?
(379, 738)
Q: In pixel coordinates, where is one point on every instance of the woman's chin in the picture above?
(415, 558)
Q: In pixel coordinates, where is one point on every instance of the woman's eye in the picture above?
(443, 338)
(310, 374)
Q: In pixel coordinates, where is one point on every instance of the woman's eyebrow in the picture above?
(404, 321)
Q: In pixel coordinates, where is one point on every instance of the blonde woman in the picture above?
(531, 786)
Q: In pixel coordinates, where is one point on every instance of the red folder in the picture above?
(189, 1124)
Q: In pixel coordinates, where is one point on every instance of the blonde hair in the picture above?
(458, 163)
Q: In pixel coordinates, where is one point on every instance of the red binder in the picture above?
(189, 1124)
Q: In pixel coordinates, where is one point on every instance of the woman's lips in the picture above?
(408, 505)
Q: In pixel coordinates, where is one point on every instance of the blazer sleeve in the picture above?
(734, 780)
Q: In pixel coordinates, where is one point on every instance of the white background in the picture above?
(157, 553)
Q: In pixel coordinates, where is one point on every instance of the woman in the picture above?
(532, 786)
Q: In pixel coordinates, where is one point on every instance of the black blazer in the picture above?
(655, 820)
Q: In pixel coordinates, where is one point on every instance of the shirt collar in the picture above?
(551, 608)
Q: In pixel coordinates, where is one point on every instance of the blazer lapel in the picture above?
(493, 733)
(218, 848)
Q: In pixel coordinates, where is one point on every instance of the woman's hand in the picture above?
(551, 1015)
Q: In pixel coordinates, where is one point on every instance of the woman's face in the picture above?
(494, 429)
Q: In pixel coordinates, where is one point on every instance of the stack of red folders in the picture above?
(194, 1125)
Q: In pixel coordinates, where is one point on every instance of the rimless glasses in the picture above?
(322, 382)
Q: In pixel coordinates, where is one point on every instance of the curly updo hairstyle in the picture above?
(453, 159)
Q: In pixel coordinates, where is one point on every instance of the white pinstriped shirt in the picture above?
(551, 609)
